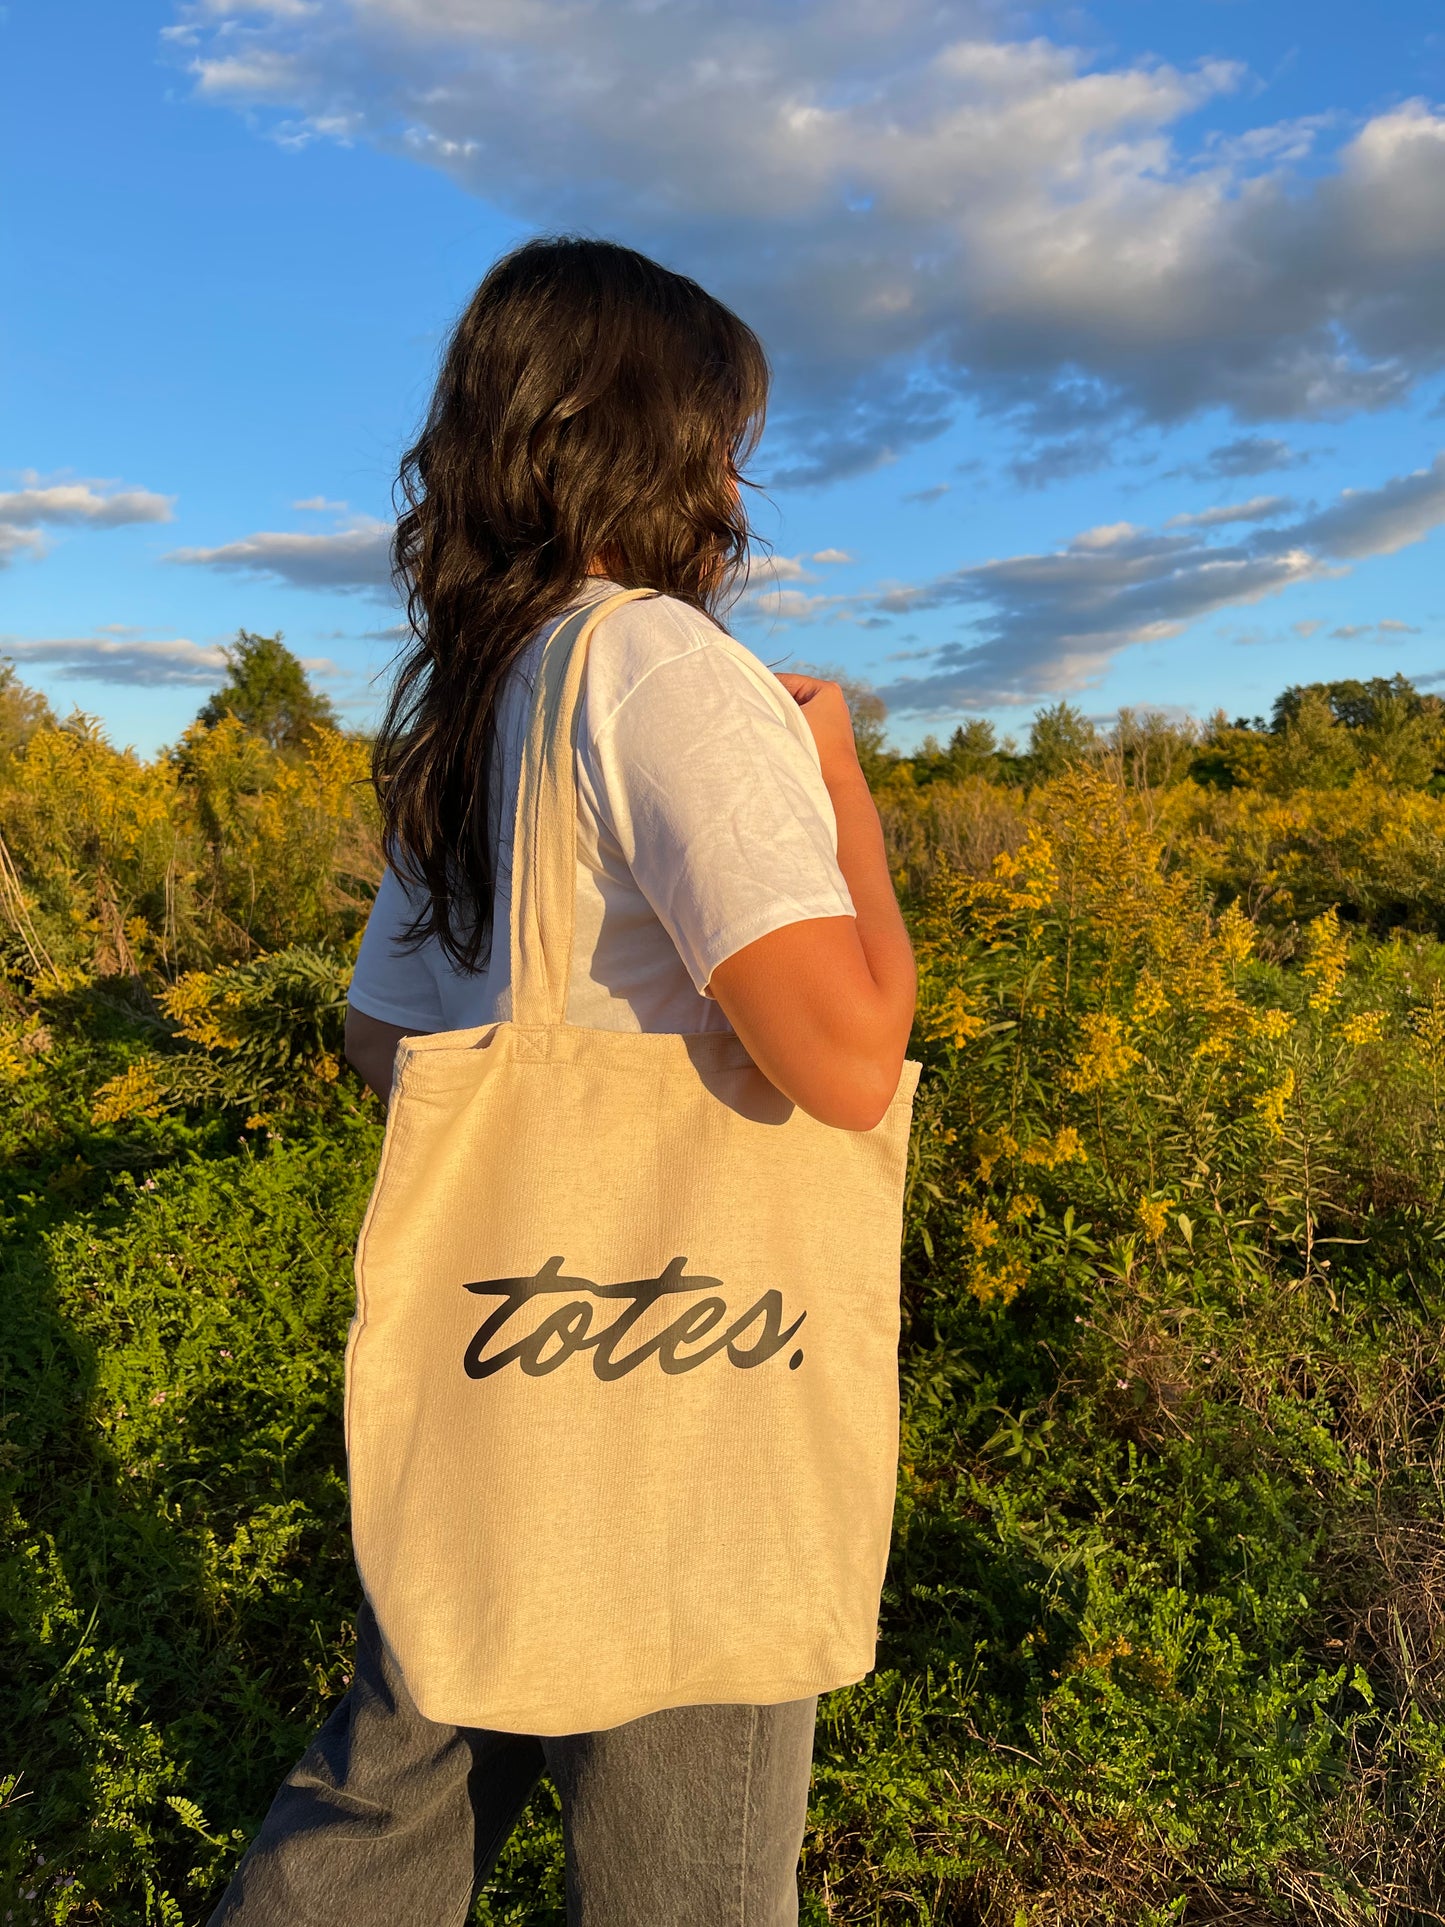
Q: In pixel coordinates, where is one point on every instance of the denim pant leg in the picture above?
(388, 1819)
(687, 1818)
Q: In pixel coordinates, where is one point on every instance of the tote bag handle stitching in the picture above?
(544, 899)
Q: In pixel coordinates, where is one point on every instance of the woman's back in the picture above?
(703, 823)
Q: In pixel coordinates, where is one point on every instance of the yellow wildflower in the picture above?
(15, 1061)
(1153, 1216)
(1022, 1207)
(1271, 1105)
(997, 1284)
(1063, 1148)
(980, 1230)
(990, 1147)
(1364, 1027)
(135, 1093)
(193, 1007)
(1270, 1023)
(1235, 933)
(1327, 949)
(1103, 1057)
(1149, 997)
(1214, 1045)
(955, 1019)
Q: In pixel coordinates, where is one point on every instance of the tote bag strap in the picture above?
(544, 845)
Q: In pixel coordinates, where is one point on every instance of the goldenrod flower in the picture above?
(1365, 1027)
(1327, 949)
(980, 1230)
(193, 1006)
(990, 1147)
(1270, 1023)
(1149, 997)
(1153, 1216)
(997, 1284)
(1103, 1057)
(135, 1093)
(955, 1019)
(1235, 935)
(1271, 1105)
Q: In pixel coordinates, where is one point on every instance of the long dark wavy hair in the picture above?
(592, 408)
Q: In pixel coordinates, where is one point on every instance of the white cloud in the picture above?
(1373, 631)
(767, 571)
(15, 542)
(85, 503)
(358, 557)
(793, 605)
(830, 555)
(1259, 508)
(27, 510)
(319, 505)
(112, 659)
(909, 209)
(1053, 622)
(1379, 521)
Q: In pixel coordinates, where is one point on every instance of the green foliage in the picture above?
(1059, 738)
(1164, 1627)
(268, 693)
(22, 712)
(1314, 751)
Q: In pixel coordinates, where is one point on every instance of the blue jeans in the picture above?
(688, 1818)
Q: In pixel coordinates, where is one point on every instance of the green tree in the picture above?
(1400, 742)
(1312, 750)
(1151, 751)
(1353, 701)
(973, 749)
(1233, 755)
(267, 692)
(1060, 737)
(869, 713)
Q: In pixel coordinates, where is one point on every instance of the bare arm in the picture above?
(825, 1006)
(371, 1049)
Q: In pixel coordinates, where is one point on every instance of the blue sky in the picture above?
(1110, 339)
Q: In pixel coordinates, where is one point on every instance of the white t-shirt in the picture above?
(703, 823)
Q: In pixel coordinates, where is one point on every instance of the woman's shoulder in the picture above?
(661, 633)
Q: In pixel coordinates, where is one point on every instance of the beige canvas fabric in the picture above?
(621, 1399)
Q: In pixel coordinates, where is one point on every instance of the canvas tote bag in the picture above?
(621, 1399)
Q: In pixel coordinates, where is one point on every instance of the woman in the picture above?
(587, 433)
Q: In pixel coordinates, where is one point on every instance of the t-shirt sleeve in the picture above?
(719, 806)
(390, 983)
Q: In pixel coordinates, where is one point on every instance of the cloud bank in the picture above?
(1054, 622)
(913, 211)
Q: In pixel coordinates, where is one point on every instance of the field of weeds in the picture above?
(1164, 1631)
